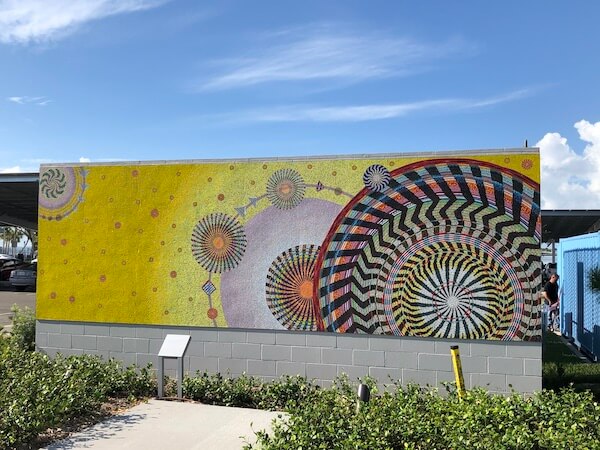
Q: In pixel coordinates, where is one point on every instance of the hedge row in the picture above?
(247, 391)
(38, 393)
(412, 418)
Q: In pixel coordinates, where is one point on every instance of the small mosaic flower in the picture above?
(527, 164)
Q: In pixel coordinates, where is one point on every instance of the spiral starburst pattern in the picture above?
(218, 242)
(285, 189)
(376, 177)
(61, 191)
(289, 287)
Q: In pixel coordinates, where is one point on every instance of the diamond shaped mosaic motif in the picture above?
(209, 287)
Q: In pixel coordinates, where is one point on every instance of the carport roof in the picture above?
(19, 199)
(19, 206)
(562, 223)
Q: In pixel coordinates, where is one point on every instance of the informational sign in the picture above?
(174, 345)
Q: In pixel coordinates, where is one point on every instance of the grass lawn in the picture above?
(554, 350)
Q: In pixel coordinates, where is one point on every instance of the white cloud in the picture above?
(40, 101)
(330, 53)
(14, 169)
(570, 180)
(38, 161)
(363, 113)
(26, 21)
(84, 160)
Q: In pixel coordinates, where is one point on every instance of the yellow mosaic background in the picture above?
(123, 254)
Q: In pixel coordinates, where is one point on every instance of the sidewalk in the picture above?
(161, 424)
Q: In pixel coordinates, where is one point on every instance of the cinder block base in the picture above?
(500, 367)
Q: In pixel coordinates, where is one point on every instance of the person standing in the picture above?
(550, 293)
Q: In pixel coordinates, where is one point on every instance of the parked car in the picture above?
(24, 277)
(8, 266)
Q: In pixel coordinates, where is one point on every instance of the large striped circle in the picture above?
(450, 249)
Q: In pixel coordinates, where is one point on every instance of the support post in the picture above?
(458, 374)
(180, 377)
(568, 330)
(173, 346)
(161, 377)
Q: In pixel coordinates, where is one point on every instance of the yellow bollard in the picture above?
(458, 375)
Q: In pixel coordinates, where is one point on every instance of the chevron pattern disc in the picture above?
(450, 249)
(289, 287)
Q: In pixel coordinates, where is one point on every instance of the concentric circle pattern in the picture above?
(451, 289)
(285, 189)
(289, 287)
(218, 242)
(61, 191)
(376, 177)
(449, 249)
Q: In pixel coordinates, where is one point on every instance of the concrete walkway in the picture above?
(161, 424)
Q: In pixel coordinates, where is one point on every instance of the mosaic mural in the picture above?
(443, 246)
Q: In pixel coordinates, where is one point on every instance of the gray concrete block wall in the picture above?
(496, 366)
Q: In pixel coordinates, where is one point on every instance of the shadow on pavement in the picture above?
(100, 431)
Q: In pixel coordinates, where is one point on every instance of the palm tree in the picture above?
(32, 236)
(10, 238)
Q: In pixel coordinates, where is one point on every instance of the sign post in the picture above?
(174, 346)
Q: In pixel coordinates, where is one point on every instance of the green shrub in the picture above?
(594, 279)
(246, 391)
(23, 329)
(39, 393)
(558, 375)
(414, 418)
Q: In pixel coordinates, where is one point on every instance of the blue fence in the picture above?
(580, 306)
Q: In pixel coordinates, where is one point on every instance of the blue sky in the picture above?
(104, 80)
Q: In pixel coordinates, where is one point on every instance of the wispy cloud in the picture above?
(326, 52)
(569, 179)
(363, 113)
(39, 101)
(83, 159)
(26, 21)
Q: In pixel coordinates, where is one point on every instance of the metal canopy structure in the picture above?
(19, 199)
(19, 206)
(562, 223)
